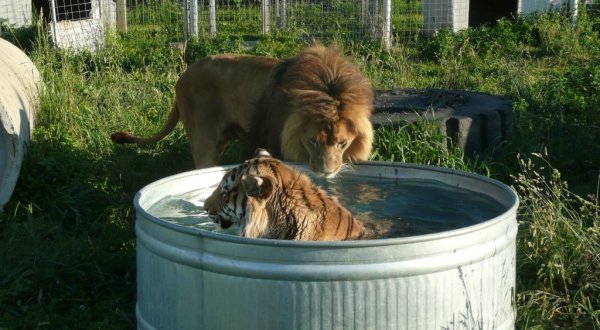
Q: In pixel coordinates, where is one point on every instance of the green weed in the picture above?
(67, 240)
(558, 247)
(422, 142)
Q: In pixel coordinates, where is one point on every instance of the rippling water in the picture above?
(414, 206)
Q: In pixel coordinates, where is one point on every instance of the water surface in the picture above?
(414, 206)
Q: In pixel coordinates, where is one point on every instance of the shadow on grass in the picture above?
(572, 144)
(67, 240)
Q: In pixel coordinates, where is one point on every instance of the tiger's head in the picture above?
(241, 192)
(268, 199)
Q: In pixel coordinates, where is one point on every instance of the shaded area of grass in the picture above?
(67, 239)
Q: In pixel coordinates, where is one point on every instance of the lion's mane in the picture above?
(319, 85)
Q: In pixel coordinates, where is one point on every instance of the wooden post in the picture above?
(121, 16)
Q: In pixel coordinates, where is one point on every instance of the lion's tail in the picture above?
(125, 137)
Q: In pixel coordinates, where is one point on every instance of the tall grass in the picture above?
(67, 244)
(559, 250)
(421, 142)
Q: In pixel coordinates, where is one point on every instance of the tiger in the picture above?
(269, 199)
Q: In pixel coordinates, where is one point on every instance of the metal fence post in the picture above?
(280, 11)
(277, 12)
(574, 11)
(387, 24)
(186, 25)
(283, 14)
(212, 17)
(265, 16)
(54, 26)
(193, 20)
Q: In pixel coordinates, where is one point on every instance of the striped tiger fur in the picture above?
(268, 199)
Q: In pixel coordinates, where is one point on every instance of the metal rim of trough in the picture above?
(475, 121)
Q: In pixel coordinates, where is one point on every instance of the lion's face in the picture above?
(326, 144)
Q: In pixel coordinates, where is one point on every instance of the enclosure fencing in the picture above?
(79, 24)
(380, 20)
(311, 19)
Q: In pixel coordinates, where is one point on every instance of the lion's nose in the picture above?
(330, 175)
(327, 171)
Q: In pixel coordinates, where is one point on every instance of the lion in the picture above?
(314, 107)
(266, 198)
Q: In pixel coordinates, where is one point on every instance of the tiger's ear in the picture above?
(257, 186)
(260, 152)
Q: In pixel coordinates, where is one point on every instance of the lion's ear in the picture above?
(260, 152)
(257, 186)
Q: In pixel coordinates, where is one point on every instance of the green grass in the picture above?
(67, 240)
(558, 250)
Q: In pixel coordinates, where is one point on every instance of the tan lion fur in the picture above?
(313, 108)
(280, 202)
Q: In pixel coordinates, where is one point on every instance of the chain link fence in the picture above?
(81, 24)
(316, 19)
(384, 20)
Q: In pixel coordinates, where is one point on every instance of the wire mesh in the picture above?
(77, 24)
(534, 6)
(232, 17)
(82, 24)
(407, 19)
(313, 18)
(156, 16)
(327, 19)
(591, 5)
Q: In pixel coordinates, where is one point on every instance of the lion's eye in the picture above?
(342, 144)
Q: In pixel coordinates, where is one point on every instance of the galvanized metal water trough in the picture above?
(457, 279)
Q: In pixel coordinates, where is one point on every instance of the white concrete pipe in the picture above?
(19, 79)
